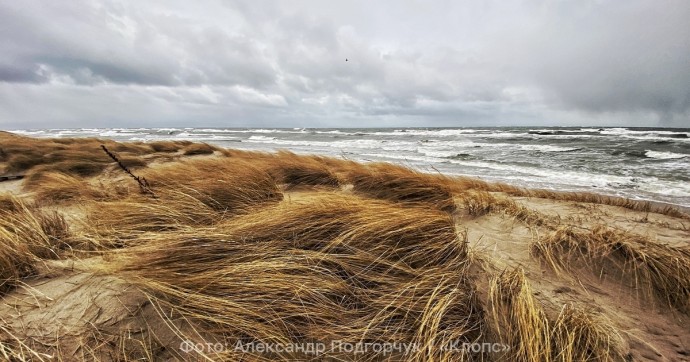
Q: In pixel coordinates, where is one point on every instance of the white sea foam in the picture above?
(514, 156)
(661, 155)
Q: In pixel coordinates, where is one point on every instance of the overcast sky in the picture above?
(259, 63)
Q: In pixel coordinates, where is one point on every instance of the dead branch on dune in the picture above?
(143, 184)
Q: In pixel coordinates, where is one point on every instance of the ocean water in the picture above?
(639, 163)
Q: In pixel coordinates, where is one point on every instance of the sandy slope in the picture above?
(652, 332)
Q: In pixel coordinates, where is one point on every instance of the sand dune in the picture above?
(234, 255)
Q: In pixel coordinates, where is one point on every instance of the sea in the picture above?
(638, 163)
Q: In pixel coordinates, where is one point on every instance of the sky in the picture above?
(314, 63)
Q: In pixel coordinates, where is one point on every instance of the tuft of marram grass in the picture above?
(199, 149)
(27, 235)
(519, 321)
(479, 203)
(661, 268)
(399, 184)
(293, 170)
(9, 203)
(422, 236)
(168, 146)
(579, 335)
(329, 268)
(224, 185)
(55, 188)
(196, 193)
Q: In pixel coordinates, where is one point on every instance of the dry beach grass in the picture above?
(236, 248)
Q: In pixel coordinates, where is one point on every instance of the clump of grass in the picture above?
(479, 203)
(399, 184)
(518, 319)
(582, 336)
(331, 268)
(77, 168)
(224, 185)
(20, 162)
(50, 188)
(55, 187)
(16, 262)
(194, 193)
(75, 156)
(662, 268)
(9, 203)
(420, 236)
(132, 162)
(199, 149)
(293, 170)
(520, 322)
(44, 233)
(27, 234)
(168, 146)
(132, 216)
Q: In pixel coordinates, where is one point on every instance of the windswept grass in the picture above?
(44, 233)
(9, 203)
(80, 157)
(199, 149)
(197, 193)
(27, 235)
(400, 184)
(330, 268)
(573, 335)
(224, 185)
(168, 146)
(663, 269)
(293, 170)
(583, 336)
(55, 188)
(518, 319)
(16, 261)
(419, 236)
(363, 253)
(479, 203)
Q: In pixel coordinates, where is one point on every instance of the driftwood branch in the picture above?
(10, 178)
(143, 184)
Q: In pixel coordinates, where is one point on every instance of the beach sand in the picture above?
(227, 248)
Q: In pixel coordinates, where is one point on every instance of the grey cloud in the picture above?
(447, 63)
(623, 57)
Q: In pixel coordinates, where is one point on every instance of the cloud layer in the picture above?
(283, 64)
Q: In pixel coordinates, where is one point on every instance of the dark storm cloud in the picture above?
(628, 57)
(241, 63)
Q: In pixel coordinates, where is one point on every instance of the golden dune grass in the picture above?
(664, 269)
(400, 184)
(293, 170)
(329, 268)
(26, 236)
(573, 335)
(363, 253)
